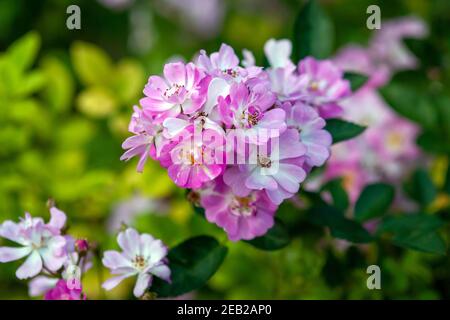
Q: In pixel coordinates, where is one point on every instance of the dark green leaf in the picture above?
(421, 188)
(338, 193)
(410, 103)
(357, 80)
(415, 231)
(276, 238)
(374, 201)
(192, 263)
(434, 142)
(333, 271)
(342, 130)
(313, 32)
(340, 226)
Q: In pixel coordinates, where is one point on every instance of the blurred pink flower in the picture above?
(62, 292)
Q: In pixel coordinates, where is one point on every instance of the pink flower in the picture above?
(249, 108)
(198, 157)
(322, 86)
(312, 134)
(183, 90)
(62, 292)
(147, 140)
(41, 242)
(142, 256)
(278, 170)
(222, 64)
(241, 217)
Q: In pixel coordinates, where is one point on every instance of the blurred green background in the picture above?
(66, 97)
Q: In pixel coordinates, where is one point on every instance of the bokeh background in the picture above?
(66, 97)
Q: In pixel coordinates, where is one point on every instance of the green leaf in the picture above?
(342, 130)
(434, 142)
(92, 65)
(192, 263)
(356, 80)
(313, 32)
(276, 238)
(338, 193)
(60, 85)
(374, 201)
(340, 226)
(421, 188)
(410, 103)
(23, 52)
(415, 231)
(97, 102)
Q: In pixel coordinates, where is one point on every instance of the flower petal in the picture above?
(31, 267)
(8, 254)
(144, 281)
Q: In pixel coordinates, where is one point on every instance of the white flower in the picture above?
(142, 255)
(41, 242)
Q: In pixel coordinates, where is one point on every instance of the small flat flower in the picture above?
(241, 217)
(323, 86)
(222, 64)
(182, 90)
(312, 134)
(40, 242)
(146, 141)
(248, 107)
(278, 172)
(197, 158)
(142, 256)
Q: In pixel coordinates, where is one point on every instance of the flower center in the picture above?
(314, 85)
(173, 90)
(230, 72)
(243, 206)
(139, 262)
(264, 162)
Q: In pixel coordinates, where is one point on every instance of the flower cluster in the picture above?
(387, 149)
(54, 260)
(241, 137)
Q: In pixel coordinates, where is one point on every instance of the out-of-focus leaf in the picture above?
(22, 52)
(374, 201)
(338, 193)
(92, 65)
(334, 271)
(434, 142)
(313, 32)
(357, 80)
(276, 238)
(129, 80)
(411, 104)
(97, 102)
(60, 85)
(31, 83)
(342, 130)
(415, 231)
(421, 188)
(340, 226)
(192, 263)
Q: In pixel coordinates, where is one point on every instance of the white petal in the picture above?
(217, 87)
(58, 218)
(41, 284)
(162, 271)
(31, 267)
(129, 242)
(278, 52)
(111, 283)
(8, 254)
(142, 284)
